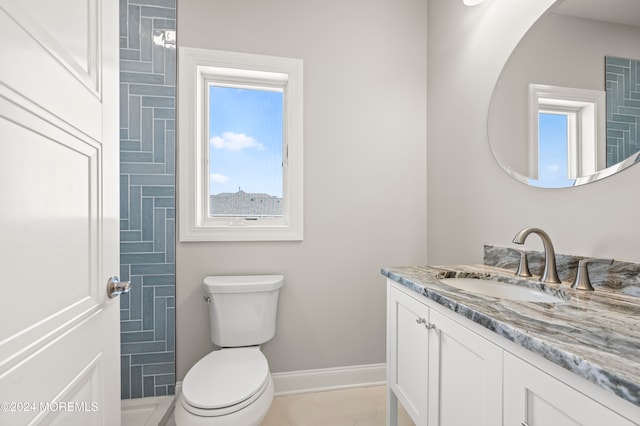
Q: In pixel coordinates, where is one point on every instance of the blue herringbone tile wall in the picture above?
(623, 108)
(147, 196)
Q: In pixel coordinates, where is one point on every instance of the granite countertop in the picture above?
(595, 335)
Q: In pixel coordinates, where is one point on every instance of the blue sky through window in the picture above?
(245, 140)
(553, 153)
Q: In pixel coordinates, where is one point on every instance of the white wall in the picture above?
(365, 174)
(471, 201)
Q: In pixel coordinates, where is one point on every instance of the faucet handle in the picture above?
(582, 281)
(523, 266)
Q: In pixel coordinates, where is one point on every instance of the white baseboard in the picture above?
(323, 379)
(328, 378)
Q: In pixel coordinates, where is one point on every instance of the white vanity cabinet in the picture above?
(448, 371)
(442, 373)
(534, 398)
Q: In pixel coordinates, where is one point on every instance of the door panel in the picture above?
(71, 37)
(409, 353)
(534, 398)
(51, 214)
(466, 383)
(58, 378)
(40, 68)
(543, 412)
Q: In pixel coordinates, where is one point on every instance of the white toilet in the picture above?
(232, 386)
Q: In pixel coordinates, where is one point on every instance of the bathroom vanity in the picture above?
(456, 357)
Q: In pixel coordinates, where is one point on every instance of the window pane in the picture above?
(245, 151)
(553, 151)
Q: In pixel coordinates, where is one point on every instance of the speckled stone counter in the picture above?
(596, 335)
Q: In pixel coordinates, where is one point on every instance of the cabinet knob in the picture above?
(428, 325)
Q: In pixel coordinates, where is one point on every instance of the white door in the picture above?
(59, 331)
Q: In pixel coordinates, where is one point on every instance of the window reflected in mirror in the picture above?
(553, 148)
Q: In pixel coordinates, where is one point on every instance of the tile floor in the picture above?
(344, 407)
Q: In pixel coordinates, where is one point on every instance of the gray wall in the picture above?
(147, 197)
(365, 174)
(471, 200)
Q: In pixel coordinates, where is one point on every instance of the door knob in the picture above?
(115, 287)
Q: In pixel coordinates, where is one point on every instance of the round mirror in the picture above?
(566, 108)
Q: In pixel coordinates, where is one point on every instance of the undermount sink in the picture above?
(501, 290)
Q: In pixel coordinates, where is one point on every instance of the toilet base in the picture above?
(250, 415)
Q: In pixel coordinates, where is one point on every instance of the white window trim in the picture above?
(195, 68)
(587, 146)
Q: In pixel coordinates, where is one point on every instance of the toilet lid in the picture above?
(225, 378)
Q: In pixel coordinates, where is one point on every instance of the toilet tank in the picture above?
(242, 309)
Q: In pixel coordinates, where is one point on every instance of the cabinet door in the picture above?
(408, 352)
(534, 398)
(465, 386)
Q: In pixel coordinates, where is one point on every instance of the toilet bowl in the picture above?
(232, 386)
(227, 387)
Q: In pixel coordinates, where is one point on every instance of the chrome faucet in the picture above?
(550, 273)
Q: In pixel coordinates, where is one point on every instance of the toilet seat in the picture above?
(225, 381)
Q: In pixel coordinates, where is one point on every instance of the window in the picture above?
(566, 134)
(240, 147)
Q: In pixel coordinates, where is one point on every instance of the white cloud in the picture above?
(218, 178)
(553, 167)
(232, 141)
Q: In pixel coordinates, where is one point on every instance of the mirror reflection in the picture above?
(566, 108)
